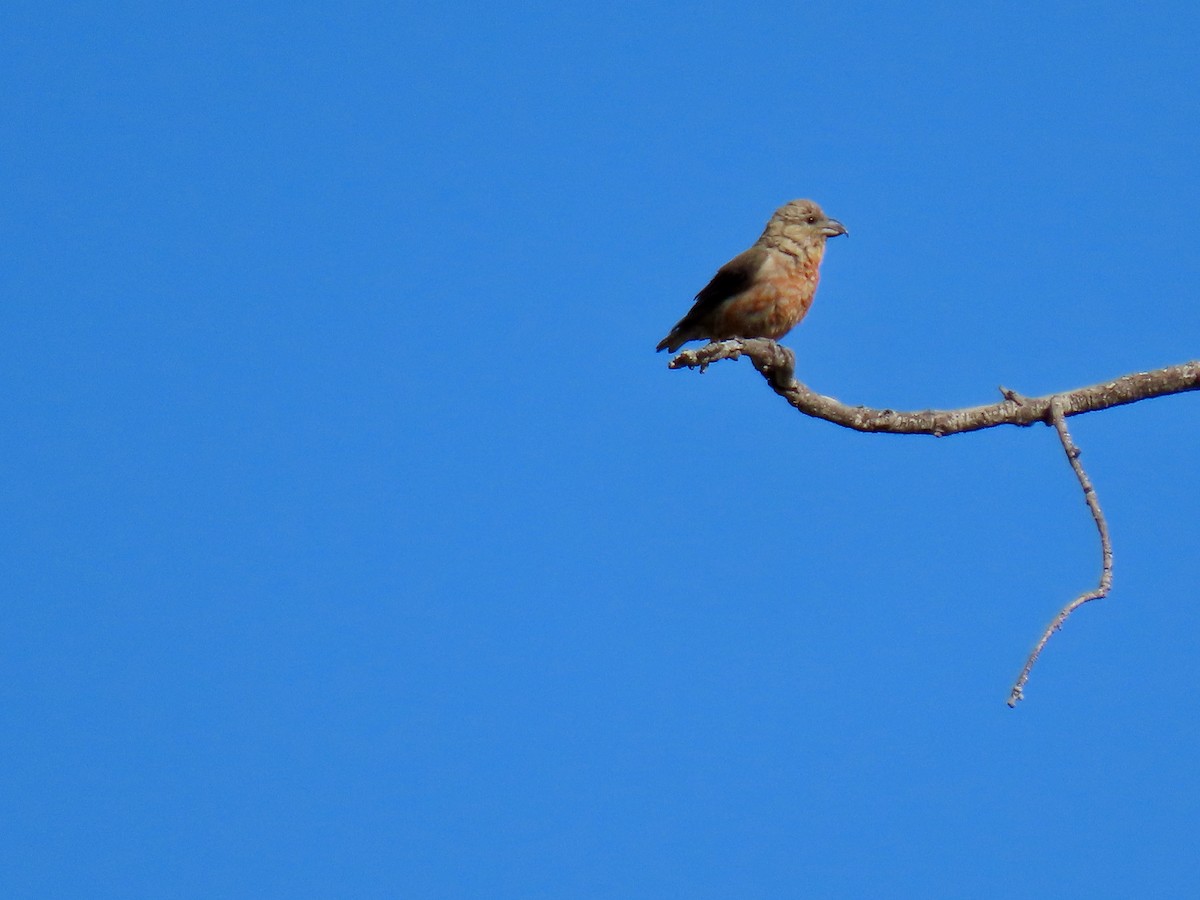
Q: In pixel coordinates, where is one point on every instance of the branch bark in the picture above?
(777, 365)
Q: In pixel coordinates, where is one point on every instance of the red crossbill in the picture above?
(765, 291)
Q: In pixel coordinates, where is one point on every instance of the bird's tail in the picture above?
(673, 341)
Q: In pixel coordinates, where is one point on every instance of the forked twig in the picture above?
(777, 365)
(1059, 421)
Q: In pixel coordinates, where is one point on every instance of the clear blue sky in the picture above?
(358, 544)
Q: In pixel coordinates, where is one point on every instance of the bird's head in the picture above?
(803, 221)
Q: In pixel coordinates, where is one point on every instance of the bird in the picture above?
(767, 290)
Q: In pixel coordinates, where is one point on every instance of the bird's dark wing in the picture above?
(731, 279)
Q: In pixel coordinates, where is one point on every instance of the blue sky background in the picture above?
(357, 542)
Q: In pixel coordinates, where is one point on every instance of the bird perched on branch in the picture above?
(765, 291)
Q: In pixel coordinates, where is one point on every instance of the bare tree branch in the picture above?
(777, 365)
(1059, 421)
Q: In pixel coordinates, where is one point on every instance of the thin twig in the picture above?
(1059, 421)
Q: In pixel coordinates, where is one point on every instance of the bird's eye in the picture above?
(811, 220)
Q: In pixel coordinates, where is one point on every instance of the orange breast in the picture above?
(770, 308)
